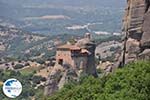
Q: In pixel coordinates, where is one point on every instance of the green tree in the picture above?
(129, 83)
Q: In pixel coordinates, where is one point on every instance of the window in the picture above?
(60, 61)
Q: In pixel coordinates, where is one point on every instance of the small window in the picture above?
(60, 61)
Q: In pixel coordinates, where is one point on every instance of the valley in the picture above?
(52, 17)
(75, 49)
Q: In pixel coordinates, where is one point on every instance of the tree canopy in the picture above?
(129, 83)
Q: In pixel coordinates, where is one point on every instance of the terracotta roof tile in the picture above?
(70, 47)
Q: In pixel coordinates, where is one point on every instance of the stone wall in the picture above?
(65, 56)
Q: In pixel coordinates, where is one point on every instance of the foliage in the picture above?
(29, 70)
(28, 84)
(129, 83)
(106, 38)
(40, 61)
(18, 66)
(72, 41)
(37, 79)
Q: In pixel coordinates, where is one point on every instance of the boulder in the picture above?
(145, 55)
(132, 46)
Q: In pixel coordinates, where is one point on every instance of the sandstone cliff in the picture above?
(136, 27)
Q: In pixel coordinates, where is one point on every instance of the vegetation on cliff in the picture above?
(129, 83)
(29, 83)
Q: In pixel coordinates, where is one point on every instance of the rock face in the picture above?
(58, 77)
(66, 71)
(90, 47)
(145, 41)
(136, 27)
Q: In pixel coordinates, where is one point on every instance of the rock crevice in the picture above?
(136, 27)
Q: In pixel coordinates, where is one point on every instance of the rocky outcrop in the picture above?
(53, 78)
(145, 41)
(90, 46)
(65, 72)
(59, 76)
(136, 27)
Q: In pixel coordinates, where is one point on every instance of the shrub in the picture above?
(40, 61)
(37, 79)
(18, 66)
(129, 83)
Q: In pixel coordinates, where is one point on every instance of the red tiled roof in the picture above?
(70, 47)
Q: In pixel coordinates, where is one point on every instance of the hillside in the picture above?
(129, 83)
(75, 49)
(20, 44)
(13, 40)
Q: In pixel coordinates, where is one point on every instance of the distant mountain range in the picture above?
(78, 12)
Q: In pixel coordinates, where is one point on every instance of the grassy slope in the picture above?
(129, 83)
